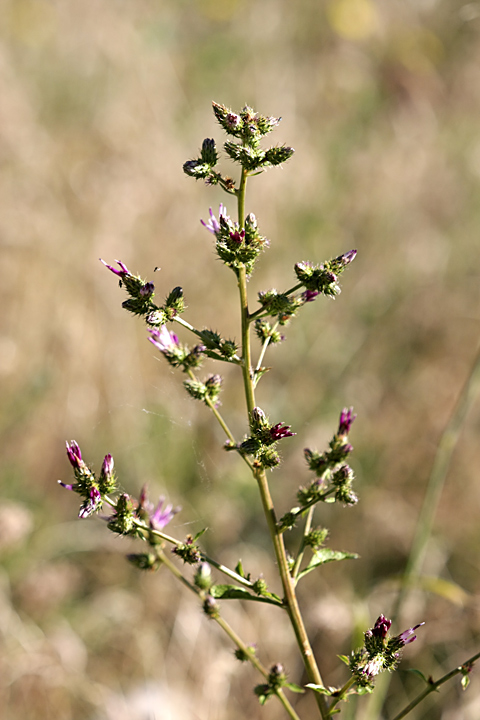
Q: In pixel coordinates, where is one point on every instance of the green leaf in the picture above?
(419, 674)
(319, 688)
(294, 688)
(465, 682)
(199, 534)
(345, 659)
(233, 592)
(239, 569)
(323, 556)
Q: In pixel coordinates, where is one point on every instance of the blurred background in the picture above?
(101, 102)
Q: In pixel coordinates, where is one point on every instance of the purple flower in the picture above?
(408, 636)
(381, 627)
(162, 515)
(122, 273)
(91, 504)
(64, 485)
(147, 290)
(346, 419)
(107, 465)
(213, 225)
(75, 456)
(237, 236)
(348, 257)
(309, 295)
(279, 431)
(232, 120)
(164, 340)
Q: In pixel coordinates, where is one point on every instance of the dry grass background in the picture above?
(100, 104)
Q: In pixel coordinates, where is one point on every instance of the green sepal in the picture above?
(325, 555)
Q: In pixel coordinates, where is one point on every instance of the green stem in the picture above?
(235, 360)
(259, 473)
(288, 585)
(342, 693)
(306, 530)
(433, 686)
(173, 541)
(261, 312)
(247, 651)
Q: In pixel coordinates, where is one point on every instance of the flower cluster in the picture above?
(380, 652)
(334, 476)
(323, 278)
(263, 439)
(87, 485)
(236, 246)
(176, 354)
(126, 512)
(141, 294)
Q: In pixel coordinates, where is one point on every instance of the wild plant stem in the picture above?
(247, 651)
(173, 541)
(433, 686)
(306, 530)
(259, 473)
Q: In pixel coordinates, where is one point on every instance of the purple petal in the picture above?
(121, 273)
(279, 431)
(409, 636)
(346, 419)
(163, 339)
(162, 515)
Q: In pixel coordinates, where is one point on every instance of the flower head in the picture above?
(309, 295)
(162, 514)
(346, 419)
(213, 225)
(91, 503)
(163, 339)
(279, 431)
(75, 455)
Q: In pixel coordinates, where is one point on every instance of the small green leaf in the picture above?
(319, 688)
(233, 592)
(239, 569)
(345, 659)
(294, 688)
(199, 534)
(465, 682)
(419, 674)
(323, 556)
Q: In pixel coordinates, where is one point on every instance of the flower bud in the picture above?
(259, 419)
(107, 482)
(203, 576)
(210, 607)
(209, 152)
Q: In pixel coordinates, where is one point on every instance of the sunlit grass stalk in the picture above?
(436, 482)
